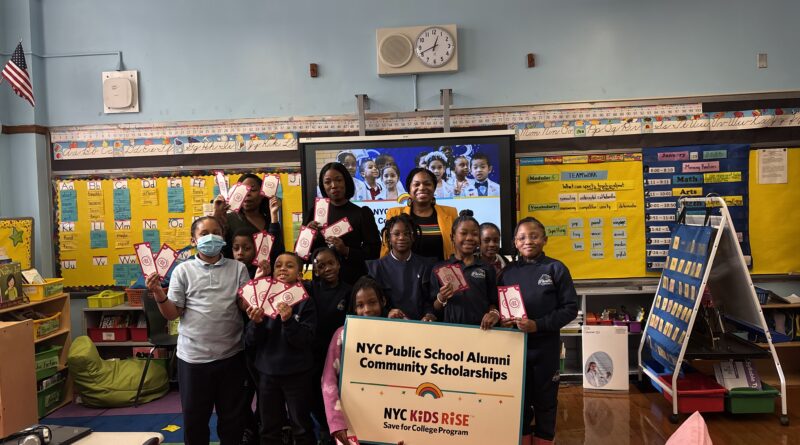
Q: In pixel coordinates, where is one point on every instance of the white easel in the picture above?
(732, 291)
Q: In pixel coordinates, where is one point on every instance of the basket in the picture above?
(50, 288)
(696, 392)
(101, 335)
(107, 298)
(751, 401)
(50, 397)
(135, 296)
(47, 362)
(46, 326)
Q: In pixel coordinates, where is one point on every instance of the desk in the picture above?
(119, 438)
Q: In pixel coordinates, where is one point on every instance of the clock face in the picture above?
(435, 47)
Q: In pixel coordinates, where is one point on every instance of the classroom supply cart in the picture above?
(704, 253)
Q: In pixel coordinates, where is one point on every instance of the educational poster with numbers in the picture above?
(591, 206)
(100, 220)
(693, 171)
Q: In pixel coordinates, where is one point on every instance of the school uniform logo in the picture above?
(479, 274)
(545, 280)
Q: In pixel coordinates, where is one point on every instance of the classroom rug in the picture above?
(162, 416)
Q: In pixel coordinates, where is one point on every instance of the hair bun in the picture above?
(466, 212)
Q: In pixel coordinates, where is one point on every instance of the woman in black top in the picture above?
(363, 242)
(257, 212)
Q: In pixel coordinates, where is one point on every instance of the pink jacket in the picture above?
(337, 420)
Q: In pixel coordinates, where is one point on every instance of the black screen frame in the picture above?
(507, 168)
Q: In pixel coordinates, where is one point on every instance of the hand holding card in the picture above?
(304, 241)
(321, 207)
(236, 197)
(351, 440)
(145, 256)
(263, 242)
(338, 228)
(510, 303)
(269, 186)
(222, 184)
(248, 294)
(290, 296)
(165, 259)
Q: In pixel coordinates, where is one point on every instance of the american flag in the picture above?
(16, 72)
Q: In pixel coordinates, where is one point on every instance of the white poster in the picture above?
(605, 358)
(773, 166)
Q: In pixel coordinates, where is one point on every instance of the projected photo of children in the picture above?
(462, 171)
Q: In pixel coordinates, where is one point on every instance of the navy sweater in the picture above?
(549, 296)
(469, 306)
(331, 303)
(285, 348)
(405, 283)
(364, 241)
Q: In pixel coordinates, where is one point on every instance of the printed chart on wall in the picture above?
(100, 221)
(591, 206)
(692, 171)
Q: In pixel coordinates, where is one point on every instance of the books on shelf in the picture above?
(737, 374)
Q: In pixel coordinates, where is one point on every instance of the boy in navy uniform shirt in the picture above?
(550, 302)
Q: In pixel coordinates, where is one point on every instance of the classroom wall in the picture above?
(205, 59)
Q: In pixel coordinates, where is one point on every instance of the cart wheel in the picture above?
(784, 420)
(674, 418)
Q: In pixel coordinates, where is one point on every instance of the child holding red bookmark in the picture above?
(284, 356)
(550, 302)
(463, 288)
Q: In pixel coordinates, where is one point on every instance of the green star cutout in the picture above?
(16, 236)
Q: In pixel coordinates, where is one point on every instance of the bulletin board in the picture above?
(774, 216)
(592, 208)
(99, 220)
(16, 240)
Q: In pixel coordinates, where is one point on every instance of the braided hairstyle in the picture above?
(414, 228)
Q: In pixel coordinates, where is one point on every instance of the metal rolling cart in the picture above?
(671, 332)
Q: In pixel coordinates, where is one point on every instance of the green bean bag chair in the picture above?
(112, 383)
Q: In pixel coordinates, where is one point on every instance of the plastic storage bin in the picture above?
(109, 334)
(36, 292)
(697, 392)
(751, 401)
(138, 334)
(47, 362)
(50, 397)
(107, 298)
(46, 326)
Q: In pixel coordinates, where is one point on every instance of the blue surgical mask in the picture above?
(210, 245)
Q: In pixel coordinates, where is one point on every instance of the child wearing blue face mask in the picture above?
(211, 366)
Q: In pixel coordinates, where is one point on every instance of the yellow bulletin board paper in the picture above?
(432, 399)
(16, 240)
(593, 213)
(81, 265)
(774, 217)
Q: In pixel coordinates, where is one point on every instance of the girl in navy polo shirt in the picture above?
(550, 302)
(478, 304)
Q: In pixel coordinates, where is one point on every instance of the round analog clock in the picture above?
(435, 46)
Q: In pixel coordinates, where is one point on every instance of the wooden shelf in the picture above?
(122, 343)
(61, 331)
(780, 306)
(32, 303)
(121, 307)
(786, 344)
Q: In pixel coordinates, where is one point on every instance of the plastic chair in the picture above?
(158, 335)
